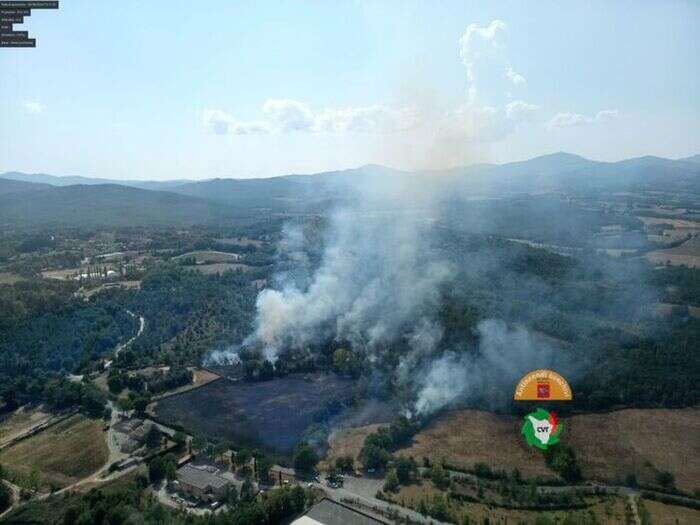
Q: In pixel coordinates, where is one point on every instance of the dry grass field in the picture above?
(687, 254)
(239, 241)
(642, 442)
(662, 514)
(465, 437)
(61, 455)
(608, 446)
(67, 273)
(10, 278)
(210, 256)
(346, 442)
(605, 509)
(210, 269)
(20, 421)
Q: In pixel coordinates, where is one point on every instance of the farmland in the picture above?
(605, 510)
(21, 421)
(58, 456)
(608, 446)
(210, 257)
(214, 268)
(10, 278)
(687, 254)
(271, 413)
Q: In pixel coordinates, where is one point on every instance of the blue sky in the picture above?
(158, 90)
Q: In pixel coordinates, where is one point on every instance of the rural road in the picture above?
(142, 325)
(358, 494)
(15, 497)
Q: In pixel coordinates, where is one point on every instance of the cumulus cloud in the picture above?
(33, 108)
(516, 78)
(221, 123)
(570, 120)
(520, 111)
(287, 115)
(478, 41)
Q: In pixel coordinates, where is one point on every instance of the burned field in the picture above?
(271, 414)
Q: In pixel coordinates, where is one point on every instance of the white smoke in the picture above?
(504, 355)
(375, 277)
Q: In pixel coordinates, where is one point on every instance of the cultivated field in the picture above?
(239, 241)
(662, 514)
(642, 442)
(347, 442)
(604, 509)
(608, 446)
(210, 257)
(465, 437)
(272, 413)
(60, 455)
(210, 269)
(10, 278)
(67, 273)
(687, 254)
(21, 421)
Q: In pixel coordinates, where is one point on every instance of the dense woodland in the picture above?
(598, 309)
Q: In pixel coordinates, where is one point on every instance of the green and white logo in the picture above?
(541, 429)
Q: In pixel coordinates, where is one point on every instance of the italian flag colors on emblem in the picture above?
(541, 429)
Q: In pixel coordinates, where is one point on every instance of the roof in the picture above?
(283, 470)
(329, 512)
(201, 477)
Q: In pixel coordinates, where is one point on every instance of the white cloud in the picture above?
(570, 120)
(476, 43)
(287, 115)
(33, 108)
(376, 118)
(516, 78)
(221, 123)
(607, 115)
(478, 123)
(520, 111)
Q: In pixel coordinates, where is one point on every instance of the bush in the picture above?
(305, 458)
(392, 482)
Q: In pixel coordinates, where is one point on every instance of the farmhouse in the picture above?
(203, 482)
(329, 512)
(282, 475)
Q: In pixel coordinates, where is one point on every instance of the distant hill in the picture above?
(105, 204)
(15, 186)
(276, 192)
(39, 198)
(694, 158)
(55, 180)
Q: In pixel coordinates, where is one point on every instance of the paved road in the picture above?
(356, 491)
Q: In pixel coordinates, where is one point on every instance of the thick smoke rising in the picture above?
(378, 284)
(505, 354)
(375, 279)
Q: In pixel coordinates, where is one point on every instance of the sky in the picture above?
(174, 89)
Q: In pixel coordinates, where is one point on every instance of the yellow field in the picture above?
(639, 441)
(20, 421)
(662, 514)
(605, 509)
(608, 446)
(465, 437)
(687, 254)
(10, 278)
(347, 442)
(59, 455)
